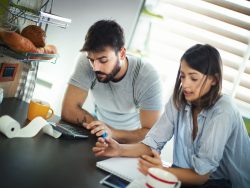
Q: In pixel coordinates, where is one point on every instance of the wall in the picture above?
(69, 41)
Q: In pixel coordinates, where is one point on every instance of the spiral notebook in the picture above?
(123, 167)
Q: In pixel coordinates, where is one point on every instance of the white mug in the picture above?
(159, 178)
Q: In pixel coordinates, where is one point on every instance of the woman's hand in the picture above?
(107, 147)
(98, 128)
(146, 162)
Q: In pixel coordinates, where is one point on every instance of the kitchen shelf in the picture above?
(38, 17)
(41, 16)
(27, 56)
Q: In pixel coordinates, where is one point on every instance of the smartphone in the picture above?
(114, 181)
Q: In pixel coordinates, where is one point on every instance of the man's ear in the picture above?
(123, 53)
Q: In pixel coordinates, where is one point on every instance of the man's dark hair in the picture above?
(205, 59)
(104, 33)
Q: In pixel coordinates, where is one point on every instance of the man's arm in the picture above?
(72, 106)
(147, 118)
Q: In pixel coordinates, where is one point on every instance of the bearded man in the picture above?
(127, 91)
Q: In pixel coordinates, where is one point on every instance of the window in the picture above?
(167, 28)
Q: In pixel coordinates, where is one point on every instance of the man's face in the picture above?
(105, 64)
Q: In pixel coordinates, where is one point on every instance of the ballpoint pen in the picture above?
(104, 135)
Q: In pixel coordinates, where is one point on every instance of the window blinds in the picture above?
(224, 24)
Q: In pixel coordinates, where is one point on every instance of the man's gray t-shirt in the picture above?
(115, 101)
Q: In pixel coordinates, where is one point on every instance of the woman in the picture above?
(211, 144)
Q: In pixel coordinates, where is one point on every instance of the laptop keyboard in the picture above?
(68, 130)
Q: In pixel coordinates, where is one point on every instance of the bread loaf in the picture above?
(35, 34)
(48, 49)
(17, 42)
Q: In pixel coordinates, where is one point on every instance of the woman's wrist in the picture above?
(121, 150)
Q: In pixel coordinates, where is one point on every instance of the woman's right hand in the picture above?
(106, 147)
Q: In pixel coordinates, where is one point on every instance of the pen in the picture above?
(105, 134)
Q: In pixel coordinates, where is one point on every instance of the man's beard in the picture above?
(109, 77)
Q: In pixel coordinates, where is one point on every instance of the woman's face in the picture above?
(192, 82)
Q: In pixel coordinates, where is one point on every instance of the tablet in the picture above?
(114, 181)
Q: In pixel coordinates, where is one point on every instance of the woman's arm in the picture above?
(185, 175)
(110, 148)
(188, 176)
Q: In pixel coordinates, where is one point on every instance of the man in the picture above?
(127, 91)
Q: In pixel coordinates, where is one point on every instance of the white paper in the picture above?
(11, 128)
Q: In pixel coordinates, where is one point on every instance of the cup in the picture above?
(1, 95)
(39, 108)
(159, 178)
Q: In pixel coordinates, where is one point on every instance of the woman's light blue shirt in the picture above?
(221, 146)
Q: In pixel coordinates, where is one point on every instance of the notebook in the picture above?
(123, 167)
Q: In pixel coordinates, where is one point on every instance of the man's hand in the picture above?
(98, 128)
(146, 162)
(106, 147)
